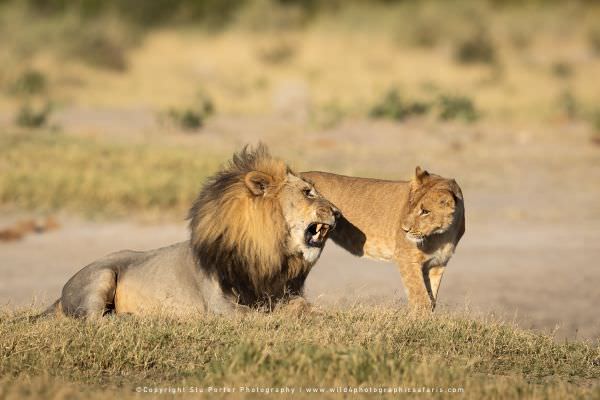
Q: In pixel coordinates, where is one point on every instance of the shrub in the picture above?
(32, 117)
(188, 120)
(478, 48)
(393, 107)
(191, 119)
(457, 107)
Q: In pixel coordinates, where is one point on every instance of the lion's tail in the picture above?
(53, 309)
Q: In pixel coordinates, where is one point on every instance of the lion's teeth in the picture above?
(319, 227)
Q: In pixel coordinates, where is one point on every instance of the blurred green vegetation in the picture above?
(143, 12)
(30, 116)
(345, 54)
(217, 13)
(392, 106)
(447, 107)
(30, 82)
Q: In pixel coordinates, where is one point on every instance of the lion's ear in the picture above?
(258, 182)
(420, 174)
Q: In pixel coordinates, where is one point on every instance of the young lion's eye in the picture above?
(424, 212)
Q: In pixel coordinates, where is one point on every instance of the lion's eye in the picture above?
(424, 212)
(308, 192)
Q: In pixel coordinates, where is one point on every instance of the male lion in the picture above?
(256, 231)
(416, 224)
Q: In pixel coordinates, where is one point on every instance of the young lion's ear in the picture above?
(456, 192)
(258, 182)
(420, 174)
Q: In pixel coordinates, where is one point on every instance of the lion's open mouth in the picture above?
(316, 234)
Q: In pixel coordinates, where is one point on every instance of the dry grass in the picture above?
(51, 172)
(368, 347)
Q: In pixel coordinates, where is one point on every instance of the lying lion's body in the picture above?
(142, 282)
(376, 215)
(247, 249)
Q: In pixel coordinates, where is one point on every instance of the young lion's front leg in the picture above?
(413, 278)
(433, 278)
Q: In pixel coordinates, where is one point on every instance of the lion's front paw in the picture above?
(299, 306)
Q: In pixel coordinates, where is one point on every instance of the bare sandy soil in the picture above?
(542, 277)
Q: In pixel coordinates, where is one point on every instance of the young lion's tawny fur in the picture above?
(416, 224)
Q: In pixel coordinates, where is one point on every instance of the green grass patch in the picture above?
(361, 347)
(49, 172)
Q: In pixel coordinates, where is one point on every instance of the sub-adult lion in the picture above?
(416, 224)
(256, 231)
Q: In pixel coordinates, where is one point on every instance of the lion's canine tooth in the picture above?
(319, 227)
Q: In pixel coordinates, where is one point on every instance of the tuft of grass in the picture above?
(392, 106)
(187, 119)
(45, 171)
(30, 116)
(361, 347)
(476, 48)
(192, 118)
(457, 107)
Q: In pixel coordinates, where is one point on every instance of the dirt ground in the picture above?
(529, 253)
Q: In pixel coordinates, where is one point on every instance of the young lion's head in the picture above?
(435, 207)
(259, 227)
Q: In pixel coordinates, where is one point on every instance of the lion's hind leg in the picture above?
(90, 293)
